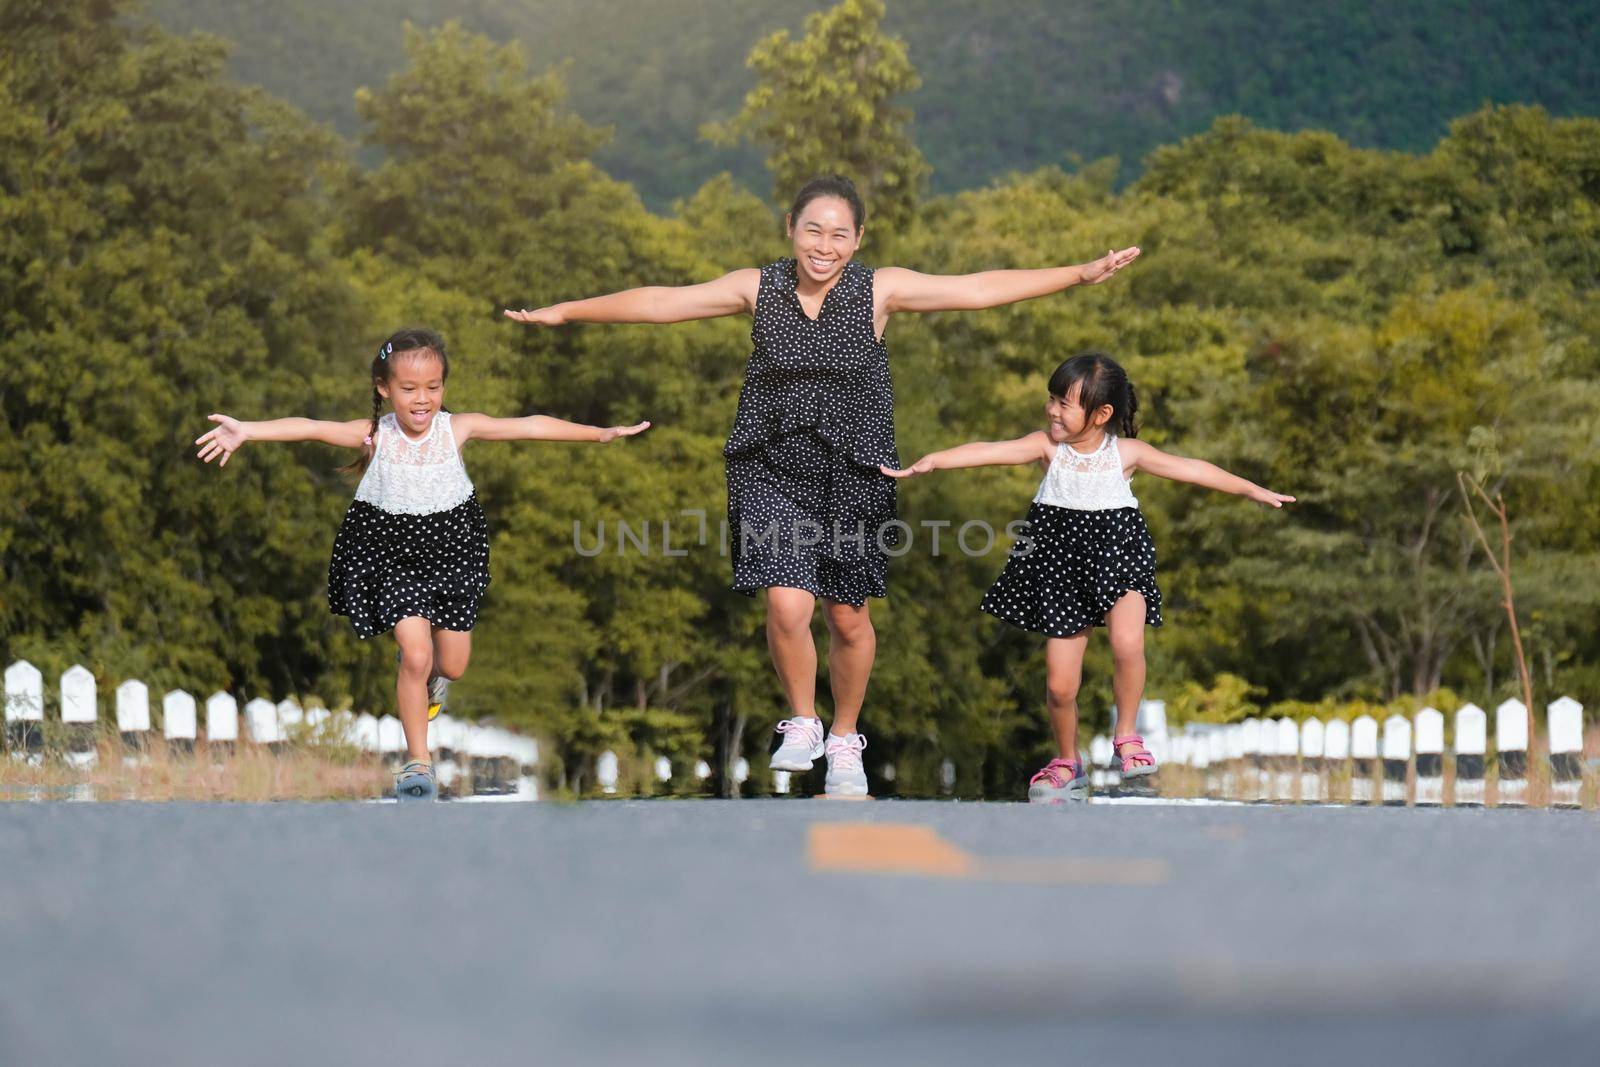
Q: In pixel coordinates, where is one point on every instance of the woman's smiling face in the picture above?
(825, 236)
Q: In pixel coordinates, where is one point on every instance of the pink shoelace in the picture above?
(846, 754)
(1052, 772)
(807, 728)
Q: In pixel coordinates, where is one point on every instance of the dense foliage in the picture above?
(1007, 84)
(1350, 325)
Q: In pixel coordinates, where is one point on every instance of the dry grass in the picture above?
(296, 770)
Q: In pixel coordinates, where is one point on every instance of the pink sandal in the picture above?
(1061, 779)
(1140, 764)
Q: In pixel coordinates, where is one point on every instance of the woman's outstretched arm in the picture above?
(1035, 446)
(730, 294)
(471, 426)
(1139, 456)
(229, 434)
(907, 290)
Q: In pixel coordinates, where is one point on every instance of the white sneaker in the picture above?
(846, 776)
(802, 743)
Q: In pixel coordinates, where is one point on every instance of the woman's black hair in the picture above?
(1101, 381)
(397, 344)
(833, 185)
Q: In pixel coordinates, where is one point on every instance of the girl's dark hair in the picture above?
(1101, 381)
(833, 185)
(397, 344)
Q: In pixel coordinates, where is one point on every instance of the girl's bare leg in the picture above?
(852, 646)
(1125, 627)
(451, 650)
(1063, 673)
(794, 650)
(414, 635)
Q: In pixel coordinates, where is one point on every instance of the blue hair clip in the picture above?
(383, 353)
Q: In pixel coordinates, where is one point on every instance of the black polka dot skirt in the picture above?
(1075, 566)
(388, 566)
(805, 513)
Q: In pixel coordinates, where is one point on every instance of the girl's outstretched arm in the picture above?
(1027, 449)
(471, 426)
(1145, 457)
(907, 290)
(730, 294)
(225, 438)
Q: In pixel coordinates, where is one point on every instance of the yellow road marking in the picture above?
(900, 848)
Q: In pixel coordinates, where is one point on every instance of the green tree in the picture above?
(822, 106)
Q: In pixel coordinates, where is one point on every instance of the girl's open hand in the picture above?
(224, 440)
(1267, 496)
(921, 466)
(611, 433)
(550, 316)
(1108, 264)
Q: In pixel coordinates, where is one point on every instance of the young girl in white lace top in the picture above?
(412, 554)
(1087, 559)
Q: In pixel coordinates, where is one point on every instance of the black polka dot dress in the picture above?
(807, 506)
(414, 542)
(1085, 547)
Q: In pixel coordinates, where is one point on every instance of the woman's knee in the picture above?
(851, 626)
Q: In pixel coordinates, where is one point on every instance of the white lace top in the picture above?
(1086, 482)
(419, 477)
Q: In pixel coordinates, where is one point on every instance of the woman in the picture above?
(808, 507)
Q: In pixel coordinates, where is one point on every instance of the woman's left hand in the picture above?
(1108, 264)
(611, 433)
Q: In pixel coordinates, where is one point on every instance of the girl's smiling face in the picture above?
(415, 389)
(825, 237)
(1067, 421)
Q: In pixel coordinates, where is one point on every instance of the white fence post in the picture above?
(1471, 748)
(606, 771)
(1430, 757)
(133, 712)
(25, 711)
(261, 717)
(80, 709)
(1233, 779)
(222, 719)
(1363, 757)
(1564, 725)
(1336, 757)
(290, 716)
(391, 736)
(1217, 757)
(1250, 772)
(1311, 748)
(1511, 754)
(1100, 753)
(178, 719)
(1396, 759)
(1288, 749)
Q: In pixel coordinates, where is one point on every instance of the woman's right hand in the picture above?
(550, 316)
(224, 440)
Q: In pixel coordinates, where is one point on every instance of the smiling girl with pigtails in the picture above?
(412, 554)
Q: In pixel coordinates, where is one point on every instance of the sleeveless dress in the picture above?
(414, 541)
(1086, 546)
(807, 506)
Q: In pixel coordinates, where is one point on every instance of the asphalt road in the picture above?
(795, 931)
